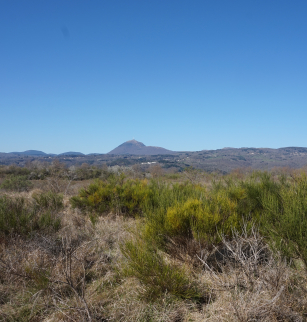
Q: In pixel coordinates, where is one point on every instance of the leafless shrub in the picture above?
(194, 176)
(63, 275)
(60, 178)
(58, 270)
(255, 284)
(187, 250)
(137, 172)
(156, 171)
(58, 184)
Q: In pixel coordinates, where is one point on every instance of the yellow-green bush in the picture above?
(202, 220)
(193, 212)
(189, 211)
(122, 197)
(179, 218)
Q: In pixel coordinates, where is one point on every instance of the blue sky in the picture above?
(185, 75)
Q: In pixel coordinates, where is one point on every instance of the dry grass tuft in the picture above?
(253, 285)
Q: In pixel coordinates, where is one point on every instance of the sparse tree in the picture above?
(193, 175)
(156, 171)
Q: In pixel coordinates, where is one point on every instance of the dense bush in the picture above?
(119, 196)
(85, 172)
(48, 200)
(189, 211)
(13, 170)
(156, 275)
(21, 216)
(16, 183)
(285, 218)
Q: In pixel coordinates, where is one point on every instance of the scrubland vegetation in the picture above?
(90, 244)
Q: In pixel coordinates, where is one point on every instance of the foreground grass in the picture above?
(126, 249)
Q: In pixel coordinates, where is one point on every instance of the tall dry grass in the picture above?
(160, 260)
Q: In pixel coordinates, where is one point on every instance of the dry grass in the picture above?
(253, 284)
(76, 275)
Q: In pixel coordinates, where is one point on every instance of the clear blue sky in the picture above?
(185, 75)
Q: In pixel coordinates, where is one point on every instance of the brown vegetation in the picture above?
(107, 262)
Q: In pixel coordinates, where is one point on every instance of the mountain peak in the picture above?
(133, 141)
(138, 148)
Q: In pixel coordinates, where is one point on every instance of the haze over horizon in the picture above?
(185, 76)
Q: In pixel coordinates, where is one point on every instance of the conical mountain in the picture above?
(139, 148)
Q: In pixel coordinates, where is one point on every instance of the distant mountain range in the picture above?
(134, 152)
(132, 147)
(36, 153)
(139, 148)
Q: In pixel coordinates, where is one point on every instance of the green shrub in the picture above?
(156, 275)
(13, 170)
(48, 220)
(285, 218)
(121, 197)
(203, 220)
(86, 172)
(161, 196)
(247, 193)
(48, 200)
(21, 216)
(278, 204)
(16, 183)
(173, 176)
(15, 216)
(192, 212)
